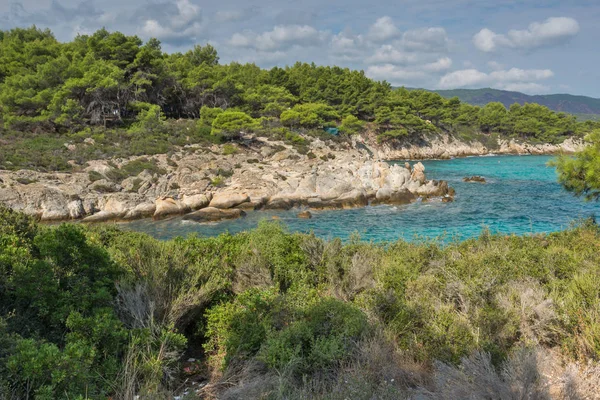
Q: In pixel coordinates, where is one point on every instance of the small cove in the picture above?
(521, 196)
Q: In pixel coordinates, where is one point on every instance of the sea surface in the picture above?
(521, 197)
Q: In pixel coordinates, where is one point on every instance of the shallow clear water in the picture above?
(521, 197)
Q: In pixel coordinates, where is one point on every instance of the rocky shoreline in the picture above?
(446, 147)
(214, 181)
(222, 182)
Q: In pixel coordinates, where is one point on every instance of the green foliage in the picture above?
(149, 118)
(581, 174)
(352, 125)
(134, 168)
(309, 115)
(229, 149)
(95, 311)
(208, 115)
(319, 339)
(232, 123)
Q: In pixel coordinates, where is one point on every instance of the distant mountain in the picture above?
(582, 106)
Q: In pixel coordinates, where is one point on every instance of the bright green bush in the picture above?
(352, 125)
(231, 124)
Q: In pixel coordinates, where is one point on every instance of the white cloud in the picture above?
(530, 88)
(462, 78)
(550, 32)
(185, 25)
(396, 75)
(495, 66)
(348, 46)
(388, 54)
(281, 36)
(520, 75)
(511, 79)
(426, 40)
(442, 64)
(487, 41)
(383, 29)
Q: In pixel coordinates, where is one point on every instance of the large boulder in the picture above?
(211, 214)
(197, 201)
(353, 198)
(433, 189)
(52, 203)
(228, 200)
(102, 216)
(418, 173)
(388, 196)
(143, 210)
(279, 203)
(76, 209)
(168, 206)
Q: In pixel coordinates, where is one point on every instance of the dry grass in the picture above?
(527, 302)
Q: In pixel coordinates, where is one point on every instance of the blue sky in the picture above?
(534, 46)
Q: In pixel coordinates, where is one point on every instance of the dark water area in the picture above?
(521, 196)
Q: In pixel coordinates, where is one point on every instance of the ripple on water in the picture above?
(521, 197)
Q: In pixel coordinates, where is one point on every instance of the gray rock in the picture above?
(210, 214)
(228, 200)
(102, 216)
(304, 215)
(168, 206)
(197, 201)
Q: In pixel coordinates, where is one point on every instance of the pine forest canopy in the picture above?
(111, 79)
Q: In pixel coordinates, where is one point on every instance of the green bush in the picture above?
(99, 312)
(318, 340)
(231, 124)
(134, 168)
(352, 125)
(229, 149)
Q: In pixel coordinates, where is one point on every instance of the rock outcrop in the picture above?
(444, 146)
(477, 179)
(212, 214)
(262, 175)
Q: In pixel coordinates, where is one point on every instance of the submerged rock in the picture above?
(211, 214)
(478, 179)
(305, 215)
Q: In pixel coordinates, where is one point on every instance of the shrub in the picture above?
(134, 168)
(94, 176)
(322, 338)
(231, 124)
(149, 118)
(352, 125)
(208, 115)
(229, 149)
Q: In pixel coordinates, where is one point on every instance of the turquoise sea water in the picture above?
(521, 197)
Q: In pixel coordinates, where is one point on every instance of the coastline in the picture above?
(444, 147)
(215, 183)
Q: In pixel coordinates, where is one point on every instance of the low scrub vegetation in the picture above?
(96, 312)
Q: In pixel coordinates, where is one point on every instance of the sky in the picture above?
(532, 46)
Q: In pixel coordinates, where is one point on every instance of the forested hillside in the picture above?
(123, 96)
(577, 105)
